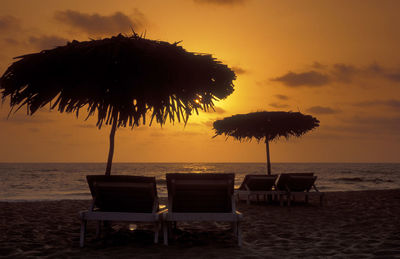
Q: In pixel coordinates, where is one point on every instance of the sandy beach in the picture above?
(362, 224)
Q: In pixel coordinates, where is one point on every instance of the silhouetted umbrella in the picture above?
(122, 78)
(265, 125)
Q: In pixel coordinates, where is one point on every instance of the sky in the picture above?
(336, 60)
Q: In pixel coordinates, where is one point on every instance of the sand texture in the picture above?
(364, 224)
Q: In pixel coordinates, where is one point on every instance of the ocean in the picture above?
(59, 181)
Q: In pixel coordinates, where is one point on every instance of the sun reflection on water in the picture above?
(132, 227)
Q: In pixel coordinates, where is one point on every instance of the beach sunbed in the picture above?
(258, 185)
(296, 184)
(122, 198)
(201, 197)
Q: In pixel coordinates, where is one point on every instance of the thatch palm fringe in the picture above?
(122, 78)
(266, 126)
(133, 75)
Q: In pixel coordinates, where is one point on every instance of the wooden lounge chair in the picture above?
(256, 185)
(122, 198)
(296, 184)
(201, 197)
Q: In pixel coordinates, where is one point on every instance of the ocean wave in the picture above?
(346, 172)
(68, 181)
(76, 193)
(350, 179)
(359, 179)
(39, 170)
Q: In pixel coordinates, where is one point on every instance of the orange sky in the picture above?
(337, 60)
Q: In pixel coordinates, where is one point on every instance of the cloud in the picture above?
(282, 97)
(393, 104)
(373, 127)
(393, 77)
(344, 73)
(9, 23)
(46, 42)
(375, 124)
(238, 70)
(221, 2)
(278, 105)
(14, 34)
(317, 65)
(338, 72)
(11, 41)
(101, 24)
(375, 68)
(321, 110)
(308, 79)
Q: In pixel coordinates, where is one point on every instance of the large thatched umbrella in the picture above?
(265, 126)
(121, 78)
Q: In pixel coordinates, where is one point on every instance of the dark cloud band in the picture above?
(339, 72)
(310, 79)
(239, 70)
(101, 24)
(9, 23)
(321, 110)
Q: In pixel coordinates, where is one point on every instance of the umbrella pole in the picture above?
(268, 160)
(111, 150)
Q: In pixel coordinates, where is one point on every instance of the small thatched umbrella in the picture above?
(121, 78)
(265, 125)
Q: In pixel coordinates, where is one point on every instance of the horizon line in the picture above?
(196, 162)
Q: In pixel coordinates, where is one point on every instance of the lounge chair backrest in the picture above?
(283, 179)
(300, 183)
(257, 182)
(121, 193)
(200, 192)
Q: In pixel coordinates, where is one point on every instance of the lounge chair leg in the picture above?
(239, 234)
(83, 232)
(98, 229)
(165, 227)
(235, 230)
(156, 230)
(306, 197)
(248, 199)
(321, 200)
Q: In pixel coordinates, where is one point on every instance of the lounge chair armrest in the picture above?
(239, 215)
(315, 188)
(163, 211)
